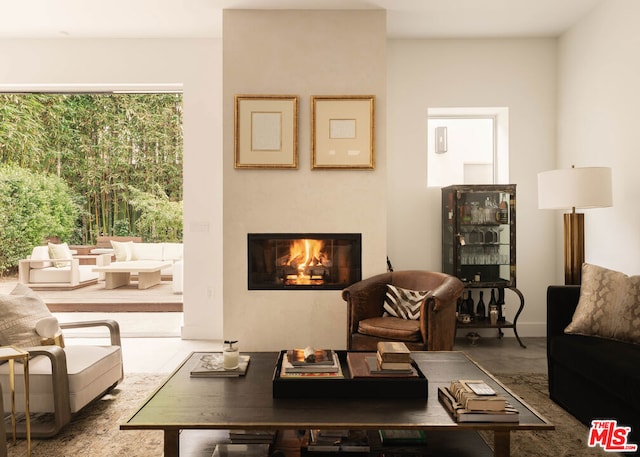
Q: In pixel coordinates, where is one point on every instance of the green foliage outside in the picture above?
(33, 207)
(160, 219)
(120, 155)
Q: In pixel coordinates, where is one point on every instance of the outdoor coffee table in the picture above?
(118, 274)
(246, 402)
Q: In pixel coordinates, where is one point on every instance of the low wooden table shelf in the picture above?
(246, 402)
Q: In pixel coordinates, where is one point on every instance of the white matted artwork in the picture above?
(342, 134)
(266, 131)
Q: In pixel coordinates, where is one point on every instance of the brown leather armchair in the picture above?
(433, 331)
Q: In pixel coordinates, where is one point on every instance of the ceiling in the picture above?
(203, 18)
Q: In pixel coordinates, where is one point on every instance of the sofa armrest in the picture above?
(438, 315)
(111, 325)
(447, 293)
(24, 266)
(60, 388)
(365, 299)
(561, 304)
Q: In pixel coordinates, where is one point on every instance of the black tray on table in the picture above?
(348, 387)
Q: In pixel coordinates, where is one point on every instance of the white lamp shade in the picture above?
(588, 187)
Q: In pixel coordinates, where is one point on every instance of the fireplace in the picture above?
(297, 261)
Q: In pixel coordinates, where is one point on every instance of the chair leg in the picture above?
(3, 437)
(60, 389)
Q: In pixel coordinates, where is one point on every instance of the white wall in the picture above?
(519, 74)
(598, 114)
(194, 63)
(301, 53)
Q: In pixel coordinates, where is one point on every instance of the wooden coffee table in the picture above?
(118, 274)
(246, 402)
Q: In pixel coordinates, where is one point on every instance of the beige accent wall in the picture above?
(301, 53)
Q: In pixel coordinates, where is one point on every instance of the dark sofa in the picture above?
(591, 377)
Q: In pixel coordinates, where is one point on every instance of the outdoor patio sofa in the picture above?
(133, 250)
(54, 266)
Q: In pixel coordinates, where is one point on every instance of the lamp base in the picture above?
(573, 247)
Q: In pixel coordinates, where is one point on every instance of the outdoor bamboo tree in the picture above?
(102, 146)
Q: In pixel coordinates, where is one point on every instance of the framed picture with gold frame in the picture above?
(266, 131)
(342, 132)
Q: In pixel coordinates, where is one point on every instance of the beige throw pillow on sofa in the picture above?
(609, 305)
(60, 251)
(122, 250)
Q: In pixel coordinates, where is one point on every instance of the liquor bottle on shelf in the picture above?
(503, 210)
(469, 305)
(500, 304)
(493, 308)
(481, 310)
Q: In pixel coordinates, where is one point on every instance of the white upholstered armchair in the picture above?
(62, 380)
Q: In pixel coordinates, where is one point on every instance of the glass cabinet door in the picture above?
(478, 234)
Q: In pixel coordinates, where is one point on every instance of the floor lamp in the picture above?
(572, 188)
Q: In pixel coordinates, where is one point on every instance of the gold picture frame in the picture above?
(343, 132)
(266, 131)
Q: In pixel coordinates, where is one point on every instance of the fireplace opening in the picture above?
(303, 260)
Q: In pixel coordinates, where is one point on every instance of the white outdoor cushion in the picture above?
(146, 251)
(40, 253)
(178, 273)
(92, 370)
(172, 251)
(61, 275)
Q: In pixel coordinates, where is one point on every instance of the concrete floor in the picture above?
(500, 356)
(162, 355)
(152, 344)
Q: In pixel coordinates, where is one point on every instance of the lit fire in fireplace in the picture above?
(303, 261)
(306, 262)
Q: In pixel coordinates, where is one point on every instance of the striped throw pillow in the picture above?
(403, 303)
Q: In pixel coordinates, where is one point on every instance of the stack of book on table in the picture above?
(311, 363)
(391, 360)
(337, 441)
(466, 405)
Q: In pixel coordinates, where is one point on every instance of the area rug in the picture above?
(95, 431)
(569, 439)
